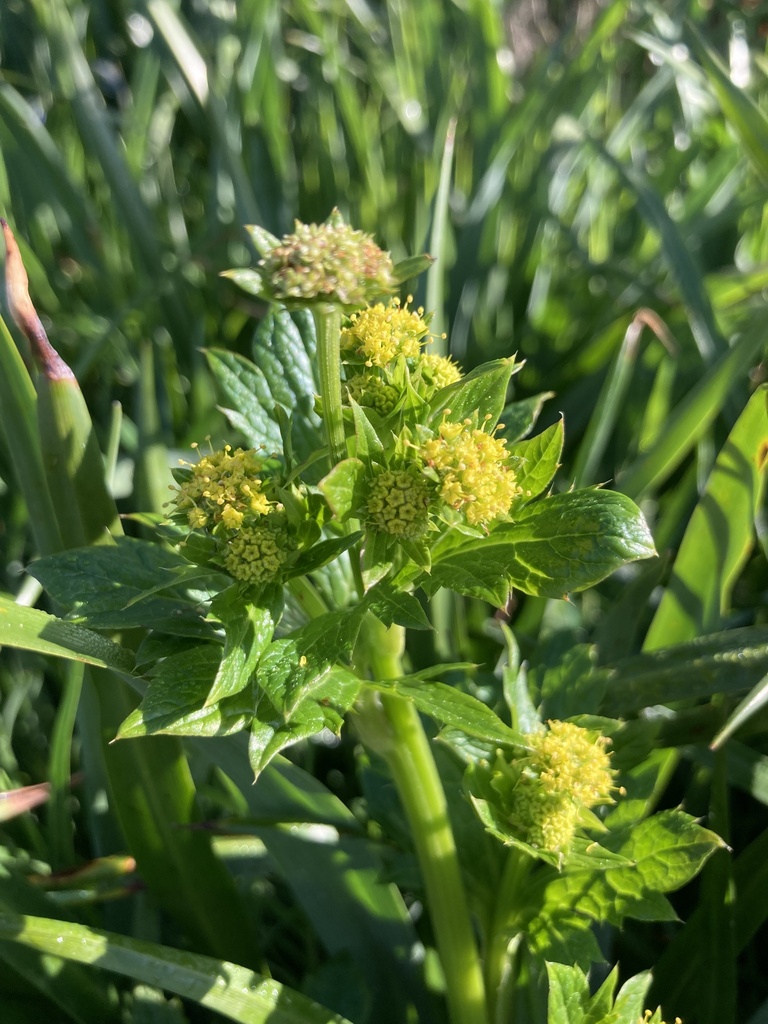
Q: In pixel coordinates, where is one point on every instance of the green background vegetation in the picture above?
(592, 183)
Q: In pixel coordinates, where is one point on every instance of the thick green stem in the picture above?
(395, 729)
(328, 326)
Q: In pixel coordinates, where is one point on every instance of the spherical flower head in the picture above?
(373, 392)
(438, 371)
(474, 471)
(257, 552)
(398, 502)
(224, 487)
(567, 769)
(379, 334)
(330, 262)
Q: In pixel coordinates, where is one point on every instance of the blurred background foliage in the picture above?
(591, 178)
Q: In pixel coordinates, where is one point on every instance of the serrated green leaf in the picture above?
(300, 688)
(175, 703)
(34, 630)
(561, 544)
(454, 708)
(480, 395)
(344, 488)
(245, 387)
(247, 631)
(396, 606)
(225, 987)
(321, 554)
(535, 461)
(659, 854)
(568, 994)
(106, 587)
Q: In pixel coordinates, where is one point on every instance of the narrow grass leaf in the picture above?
(719, 536)
(227, 988)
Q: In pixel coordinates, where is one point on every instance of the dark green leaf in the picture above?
(247, 631)
(115, 587)
(561, 544)
(519, 418)
(175, 703)
(454, 708)
(396, 606)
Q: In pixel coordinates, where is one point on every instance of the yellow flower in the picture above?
(438, 371)
(398, 502)
(654, 1018)
(381, 333)
(473, 470)
(568, 769)
(223, 487)
(374, 392)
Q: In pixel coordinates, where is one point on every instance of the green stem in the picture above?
(503, 943)
(328, 327)
(397, 732)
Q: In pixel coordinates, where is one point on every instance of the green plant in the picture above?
(415, 486)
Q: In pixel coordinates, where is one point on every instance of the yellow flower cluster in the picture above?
(224, 487)
(568, 769)
(439, 371)
(398, 502)
(331, 262)
(473, 469)
(379, 334)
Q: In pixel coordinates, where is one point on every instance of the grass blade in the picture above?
(231, 990)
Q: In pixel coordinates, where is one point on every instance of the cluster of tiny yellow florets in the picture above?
(331, 262)
(379, 334)
(398, 502)
(474, 471)
(223, 496)
(567, 770)
(438, 371)
(224, 487)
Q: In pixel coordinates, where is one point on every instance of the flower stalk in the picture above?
(327, 317)
(397, 732)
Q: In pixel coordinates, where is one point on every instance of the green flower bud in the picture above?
(329, 262)
(257, 552)
(398, 502)
(373, 392)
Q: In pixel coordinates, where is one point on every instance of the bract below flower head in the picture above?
(474, 473)
(379, 334)
(329, 262)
